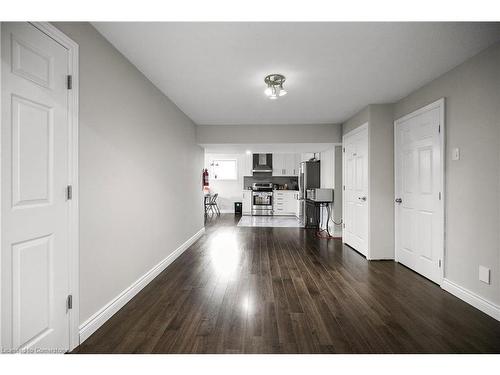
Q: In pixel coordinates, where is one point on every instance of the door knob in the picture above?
(399, 200)
(362, 199)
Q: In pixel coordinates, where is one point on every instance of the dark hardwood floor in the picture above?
(282, 290)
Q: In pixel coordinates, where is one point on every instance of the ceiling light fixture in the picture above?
(274, 84)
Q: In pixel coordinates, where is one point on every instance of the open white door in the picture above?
(419, 212)
(355, 194)
(36, 170)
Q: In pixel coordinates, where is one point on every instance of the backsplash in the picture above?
(291, 181)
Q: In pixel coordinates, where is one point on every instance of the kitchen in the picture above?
(277, 189)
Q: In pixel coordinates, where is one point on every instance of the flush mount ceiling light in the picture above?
(274, 84)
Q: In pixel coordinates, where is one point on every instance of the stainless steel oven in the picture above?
(262, 199)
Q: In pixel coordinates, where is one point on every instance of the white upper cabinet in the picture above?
(279, 168)
(296, 164)
(286, 164)
(247, 165)
(291, 164)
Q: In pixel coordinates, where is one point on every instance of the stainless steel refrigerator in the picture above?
(309, 178)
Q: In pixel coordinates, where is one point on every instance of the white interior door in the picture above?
(419, 181)
(355, 197)
(35, 174)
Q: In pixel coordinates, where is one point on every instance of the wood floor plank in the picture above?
(283, 290)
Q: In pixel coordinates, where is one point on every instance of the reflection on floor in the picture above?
(269, 221)
(284, 290)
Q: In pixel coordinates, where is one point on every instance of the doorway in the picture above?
(39, 188)
(355, 193)
(419, 189)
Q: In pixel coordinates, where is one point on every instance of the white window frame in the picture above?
(212, 173)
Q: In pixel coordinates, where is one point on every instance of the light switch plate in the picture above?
(455, 154)
(484, 274)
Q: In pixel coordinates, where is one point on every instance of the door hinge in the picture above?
(343, 149)
(439, 195)
(439, 128)
(69, 82)
(343, 187)
(439, 262)
(69, 302)
(343, 225)
(69, 192)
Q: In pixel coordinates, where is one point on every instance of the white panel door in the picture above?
(35, 258)
(418, 173)
(355, 231)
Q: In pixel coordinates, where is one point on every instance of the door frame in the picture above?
(440, 104)
(73, 224)
(364, 126)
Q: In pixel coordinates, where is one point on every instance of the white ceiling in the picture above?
(214, 71)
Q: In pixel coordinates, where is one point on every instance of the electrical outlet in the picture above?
(455, 154)
(484, 274)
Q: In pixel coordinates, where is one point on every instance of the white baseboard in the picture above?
(100, 317)
(472, 299)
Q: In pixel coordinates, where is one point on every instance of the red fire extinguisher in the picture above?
(205, 177)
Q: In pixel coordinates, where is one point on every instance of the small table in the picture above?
(316, 206)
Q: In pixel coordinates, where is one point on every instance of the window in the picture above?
(224, 169)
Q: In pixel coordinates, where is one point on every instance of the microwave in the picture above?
(320, 195)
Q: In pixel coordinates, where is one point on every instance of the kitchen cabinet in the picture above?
(285, 202)
(278, 165)
(286, 164)
(291, 164)
(247, 202)
(247, 165)
(299, 207)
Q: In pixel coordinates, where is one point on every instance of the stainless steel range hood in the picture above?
(262, 163)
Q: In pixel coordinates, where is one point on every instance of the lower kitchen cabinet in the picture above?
(285, 202)
(299, 207)
(247, 202)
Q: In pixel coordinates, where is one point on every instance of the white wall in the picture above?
(267, 134)
(229, 191)
(472, 198)
(381, 149)
(331, 178)
(140, 172)
(472, 191)
(381, 176)
(327, 168)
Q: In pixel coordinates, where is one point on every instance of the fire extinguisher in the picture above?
(205, 177)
